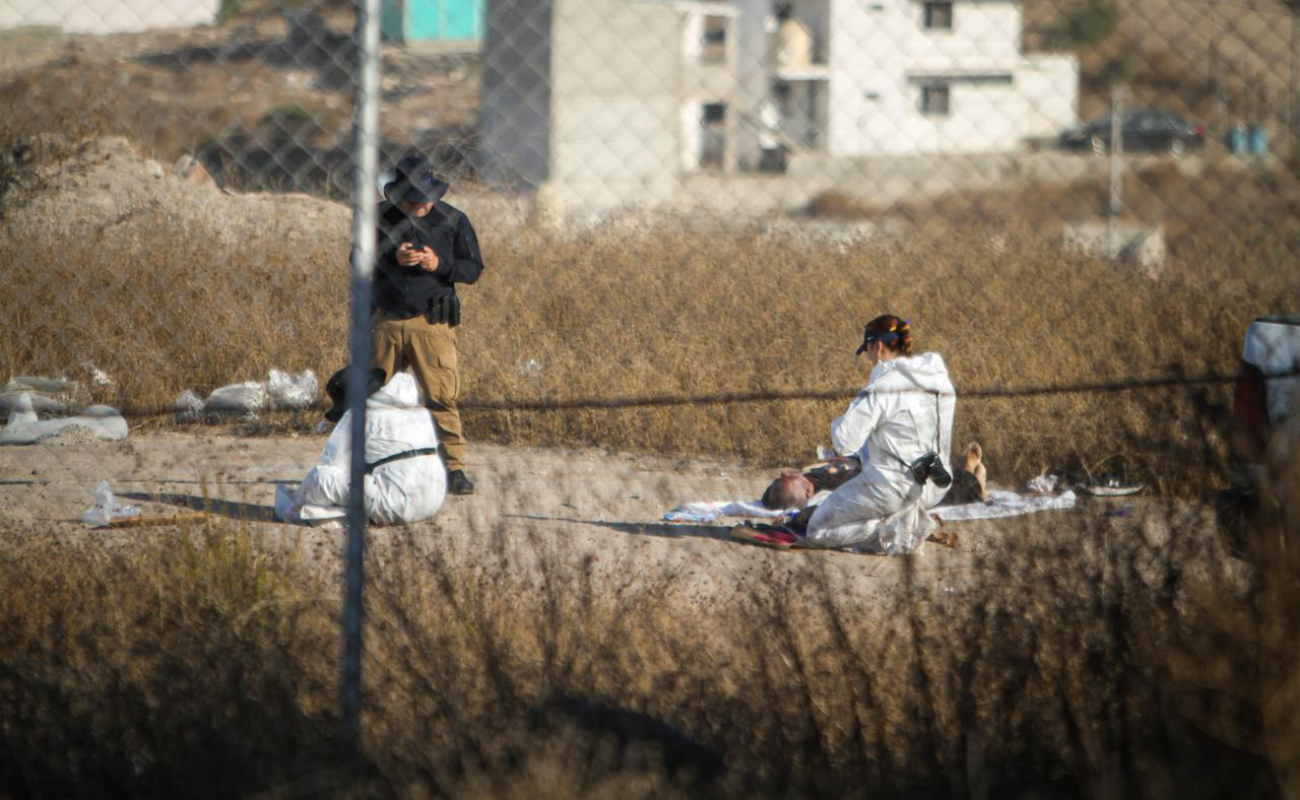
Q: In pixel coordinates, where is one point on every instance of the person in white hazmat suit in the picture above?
(405, 479)
(902, 418)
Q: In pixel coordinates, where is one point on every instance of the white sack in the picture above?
(403, 491)
(241, 397)
(287, 390)
(24, 427)
(280, 391)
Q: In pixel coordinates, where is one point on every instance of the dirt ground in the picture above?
(575, 504)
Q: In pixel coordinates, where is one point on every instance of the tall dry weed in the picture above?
(669, 312)
(1056, 668)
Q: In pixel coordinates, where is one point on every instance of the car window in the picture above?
(1149, 121)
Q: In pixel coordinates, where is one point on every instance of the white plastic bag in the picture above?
(1043, 484)
(106, 508)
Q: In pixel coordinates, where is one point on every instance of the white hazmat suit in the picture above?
(905, 411)
(407, 489)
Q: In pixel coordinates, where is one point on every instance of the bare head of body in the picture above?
(791, 490)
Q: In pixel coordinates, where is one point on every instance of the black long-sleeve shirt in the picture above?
(406, 291)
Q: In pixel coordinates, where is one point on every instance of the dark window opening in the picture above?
(713, 138)
(938, 16)
(715, 40)
(936, 100)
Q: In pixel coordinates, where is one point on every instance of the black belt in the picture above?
(423, 451)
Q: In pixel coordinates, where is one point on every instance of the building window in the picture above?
(713, 135)
(714, 41)
(935, 100)
(938, 16)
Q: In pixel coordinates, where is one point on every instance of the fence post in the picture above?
(365, 158)
(1115, 204)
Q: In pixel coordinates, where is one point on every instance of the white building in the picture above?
(895, 77)
(609, 103)
(107, 16)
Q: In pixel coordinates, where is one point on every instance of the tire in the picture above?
(1098, 145)
(1177, 148)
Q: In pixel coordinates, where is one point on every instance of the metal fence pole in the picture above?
(365, 154)
(1115, 203)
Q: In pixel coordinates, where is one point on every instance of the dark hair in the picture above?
(901, 341)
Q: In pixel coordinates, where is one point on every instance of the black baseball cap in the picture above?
(414, 182)
(869, 337)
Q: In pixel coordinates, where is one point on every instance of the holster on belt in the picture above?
(444, 310)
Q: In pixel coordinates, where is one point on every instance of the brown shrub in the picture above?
(1078, 663)
(625, 315)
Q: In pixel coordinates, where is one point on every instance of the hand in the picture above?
(407, 255)
(428, 259)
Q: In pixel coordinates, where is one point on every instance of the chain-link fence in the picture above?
(687, 210)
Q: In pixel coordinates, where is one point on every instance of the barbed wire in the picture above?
(732, 398)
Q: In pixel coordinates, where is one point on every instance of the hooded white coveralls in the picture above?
(904, 412)
(398, 492)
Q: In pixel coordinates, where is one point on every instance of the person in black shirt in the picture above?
(425, 247)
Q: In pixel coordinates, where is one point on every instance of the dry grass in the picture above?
(624, 313)
(1081, 664)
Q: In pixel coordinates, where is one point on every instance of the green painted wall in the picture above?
(432, 20)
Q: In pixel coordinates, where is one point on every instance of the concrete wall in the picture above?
(868, 55)
(879, 181)
(882, 57)
(753, 75)
(108, 16)
(515, 118)
(985, 115)
(616, 107)
(1049, 85)
(985, 34)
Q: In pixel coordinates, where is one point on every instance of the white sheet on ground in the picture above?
(24, 427)
(1000, 506)
(1005, 504)
(403, 491)
(710, 511)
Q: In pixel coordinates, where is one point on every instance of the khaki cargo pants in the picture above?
(429, 352)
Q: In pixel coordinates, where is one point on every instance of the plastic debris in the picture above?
(97, 376)
(100, 422)
(106, 507)
(1044, 484)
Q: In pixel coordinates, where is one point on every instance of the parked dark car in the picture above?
(1142, 130)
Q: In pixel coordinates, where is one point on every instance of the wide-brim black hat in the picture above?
(414, 182)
